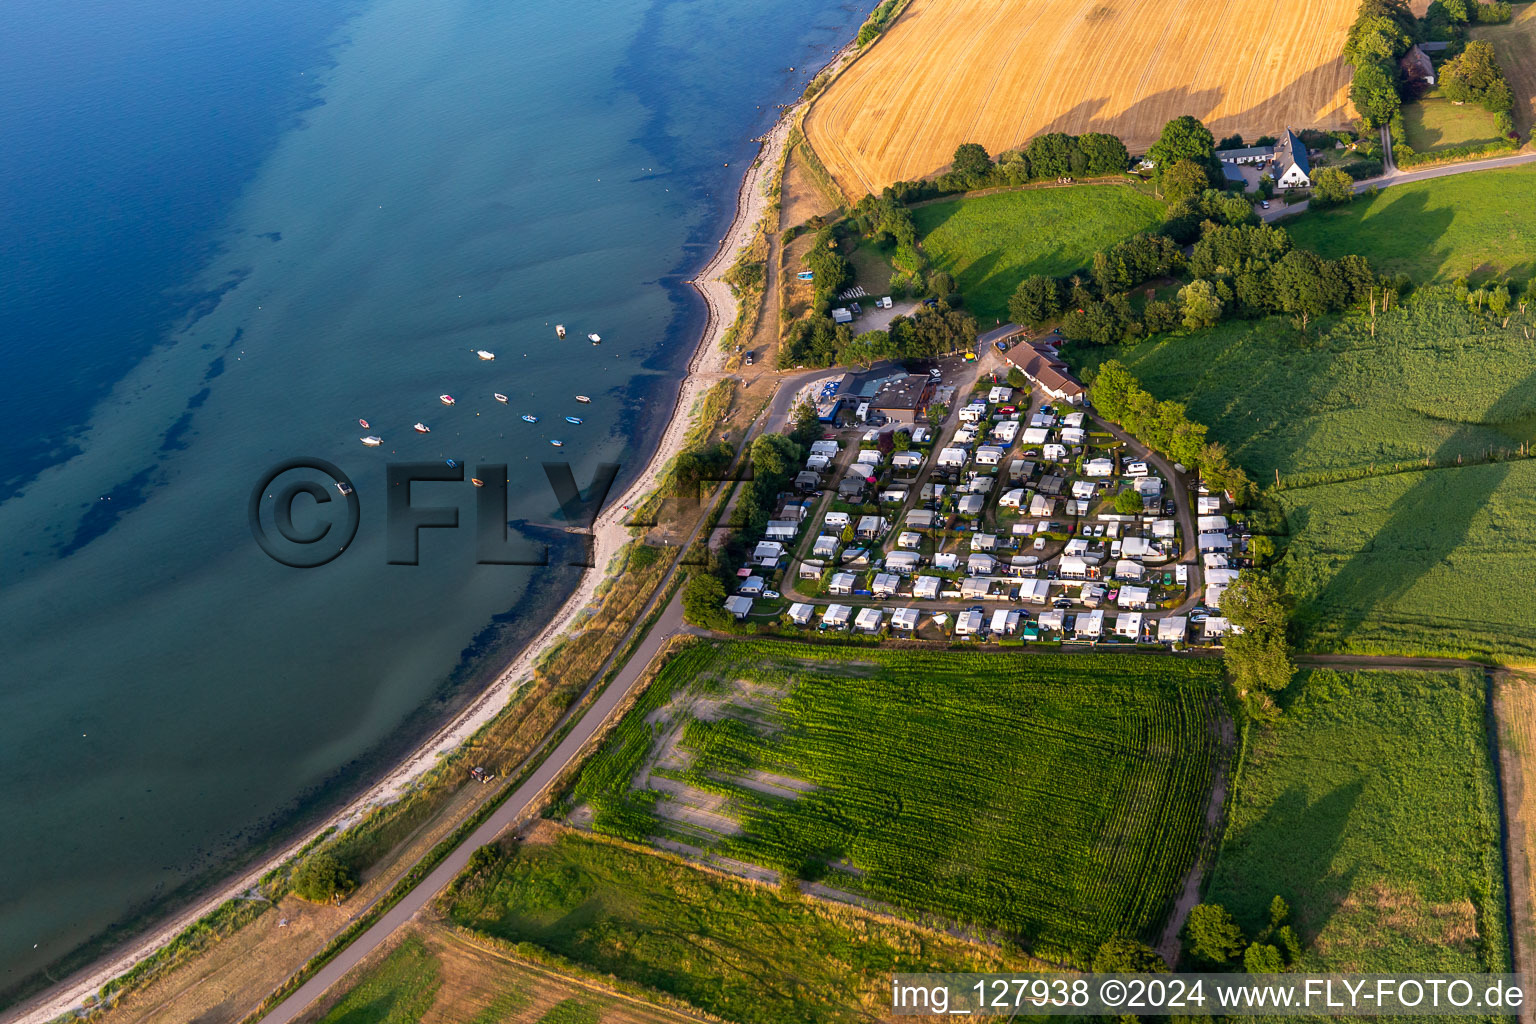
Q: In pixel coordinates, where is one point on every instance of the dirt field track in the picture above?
(999, 72)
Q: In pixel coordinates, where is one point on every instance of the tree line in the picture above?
(929, 332)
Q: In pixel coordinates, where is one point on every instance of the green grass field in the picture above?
(1433, 562)
(743, 952)
(1371, 807)
(1409, 562)
(1435, 123)
(1059, 799)
(1479, 225)
(1436, 381)
(991, 243)
(399, 989)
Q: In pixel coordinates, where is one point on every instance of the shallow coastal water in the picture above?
(230, 235)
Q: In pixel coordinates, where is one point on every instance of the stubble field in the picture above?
(1002, 71)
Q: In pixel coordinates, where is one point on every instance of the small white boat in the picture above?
(371, 441)
(485, 357)
(573, 419)
(422, 428)
(583, 399)
(445, 399)
(595, 338)
(529, 417)
(343, 488)
(557, 444)
(477, 481)
(560, 330)
(499, 397)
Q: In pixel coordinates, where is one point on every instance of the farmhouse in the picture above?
(800, 614)
(1291, 168)
(738, 606)
(904, 618)
(1417, 65)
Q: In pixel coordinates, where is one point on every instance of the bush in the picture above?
(322, 878)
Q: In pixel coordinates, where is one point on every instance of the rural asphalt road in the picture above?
(670, 623)
(1399, 177)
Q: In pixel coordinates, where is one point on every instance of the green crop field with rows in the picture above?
(1059, 799)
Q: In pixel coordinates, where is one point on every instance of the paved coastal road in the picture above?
(669, 624)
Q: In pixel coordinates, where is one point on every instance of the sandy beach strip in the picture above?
(610, 534)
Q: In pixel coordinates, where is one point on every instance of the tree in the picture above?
(1184, 180)
(1255, 652)
(1035, 300)
(1213, 934)
(1264, 959)
(1332, 186)
(937, 413)
(1016, 378)
(1476, 77)
(322, 878)
(1122, 955)
(1128, 502)
(972, 165)
(1373, 91)
(1200, 303)
(1279, 910)
(1231, 142)
(1498, 299)
(1103, 154)
(1186, 138)
(704, 601)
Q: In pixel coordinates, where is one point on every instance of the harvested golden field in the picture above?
(999, 72)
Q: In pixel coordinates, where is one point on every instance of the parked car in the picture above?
(1264, 203)
(770, 593)
(1039, 543)
(1061, 602)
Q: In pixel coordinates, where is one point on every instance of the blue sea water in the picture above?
(229, 231)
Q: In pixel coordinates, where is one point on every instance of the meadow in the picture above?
(1436, 381)
(1057, 799)
(1479, 226)
(1515, 45)
(434, 974)
(990, 243)
(741, 951)
(1370, 805)
(1422, 561)
(1435, 123)
(999, 73)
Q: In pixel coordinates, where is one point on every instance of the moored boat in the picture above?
(343, 488)
(557, 443)
(485, 357)
(583, 399)
(477, 481)
(560, 330)
(445, 399)
(422, 428)
(529, 417)
(363, 424)
(499, 397)
(371, 441)
(595, 339)
(573, 419)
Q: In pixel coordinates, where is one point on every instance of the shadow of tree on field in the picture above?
(1290, 852)
(1424, 528)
